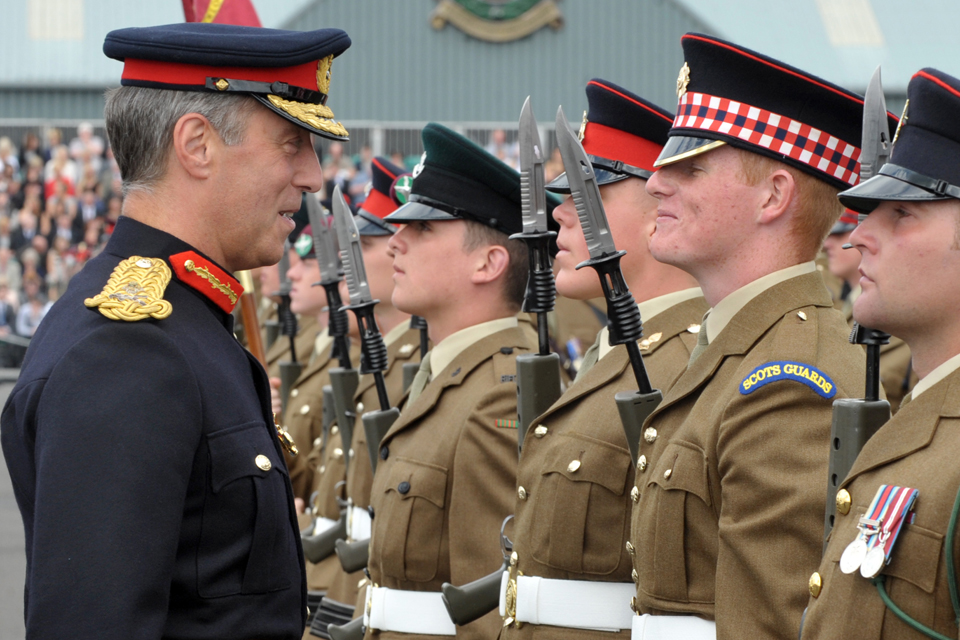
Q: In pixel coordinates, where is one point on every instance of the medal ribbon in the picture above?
(897, 502)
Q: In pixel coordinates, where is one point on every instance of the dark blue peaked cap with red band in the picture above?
(457, 180)
(731, 95)
(379, 204)
(288, 71)
(622, 134)
(925, 160)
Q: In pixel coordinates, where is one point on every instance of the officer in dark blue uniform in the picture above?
(144, 456)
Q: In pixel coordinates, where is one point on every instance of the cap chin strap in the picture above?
(282, 89)
(618, 166)
(939, 187)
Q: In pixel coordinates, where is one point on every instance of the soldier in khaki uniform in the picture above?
(573, 327)
(402, 344)
(728, 508)
(896, 374)
(573, 522)
(910, 268)
(447, 471)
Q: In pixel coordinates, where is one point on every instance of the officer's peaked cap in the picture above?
(288, 71)
(925, 159)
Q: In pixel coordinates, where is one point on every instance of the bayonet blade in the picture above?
(533, 196)
(584, 190)
(354, 271)
(875, 141)
(324, 241)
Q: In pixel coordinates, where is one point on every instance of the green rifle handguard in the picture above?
(353, 555)
(271, 332)
(474, 599)
(410, 370)
(329, 412)
(322, 545)
(375, 426)
(289, 372)
(344, 383)
(353, 630)
(634, 408)
(538, 387)
(854, 422)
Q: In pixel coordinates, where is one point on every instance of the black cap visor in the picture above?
(896, 183)
(842, 227)
(606, 171)
(370, 225)
(681, 147)
(414, 211)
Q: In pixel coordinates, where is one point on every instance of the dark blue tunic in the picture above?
(132, 449)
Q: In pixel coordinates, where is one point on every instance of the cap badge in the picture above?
(135, 291)
(402, 188)
(583, 126)
(683, 80)
(303, 245)
(419, 168)
(324, 68)
(903, 119)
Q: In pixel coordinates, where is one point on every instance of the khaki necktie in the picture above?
(421, 379)
(701, 340)
(590, 358)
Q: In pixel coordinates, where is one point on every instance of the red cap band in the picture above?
(173, 73)
(378, 204)
(614, 144)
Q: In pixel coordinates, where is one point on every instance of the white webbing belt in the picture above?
(407, 612)
(647, 627)
(358, 523)
(576, 604)
(322, 524)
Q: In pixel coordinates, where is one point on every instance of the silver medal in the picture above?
(874, 562)
(853, 555)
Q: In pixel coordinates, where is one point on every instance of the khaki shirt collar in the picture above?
(649, 309)
(721, 315)
(936, 376)
(454, 344)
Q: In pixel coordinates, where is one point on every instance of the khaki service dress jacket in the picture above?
(575, 525)
(447, 477)
(919, 449)
(729, 509)
(279, 351)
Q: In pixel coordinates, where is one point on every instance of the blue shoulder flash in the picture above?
(789, 370)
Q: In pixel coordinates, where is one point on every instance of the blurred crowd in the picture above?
(59, 202)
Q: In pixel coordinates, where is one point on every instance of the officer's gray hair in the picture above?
(140, 123)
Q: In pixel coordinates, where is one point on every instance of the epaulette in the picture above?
(135, 291)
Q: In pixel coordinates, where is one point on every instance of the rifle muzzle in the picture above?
(375, 427)
(538, 387)
(289, 372)
(634, 408)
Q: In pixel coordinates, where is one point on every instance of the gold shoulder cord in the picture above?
(135, 291)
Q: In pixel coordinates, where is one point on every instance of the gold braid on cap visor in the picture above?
(318, 116)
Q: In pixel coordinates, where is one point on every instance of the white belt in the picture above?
(407, 612)
(322, 524)
(647, 627)
(577, 604)
(358, 523)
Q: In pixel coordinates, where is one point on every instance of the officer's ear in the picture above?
(492, 262)
(193, 141)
